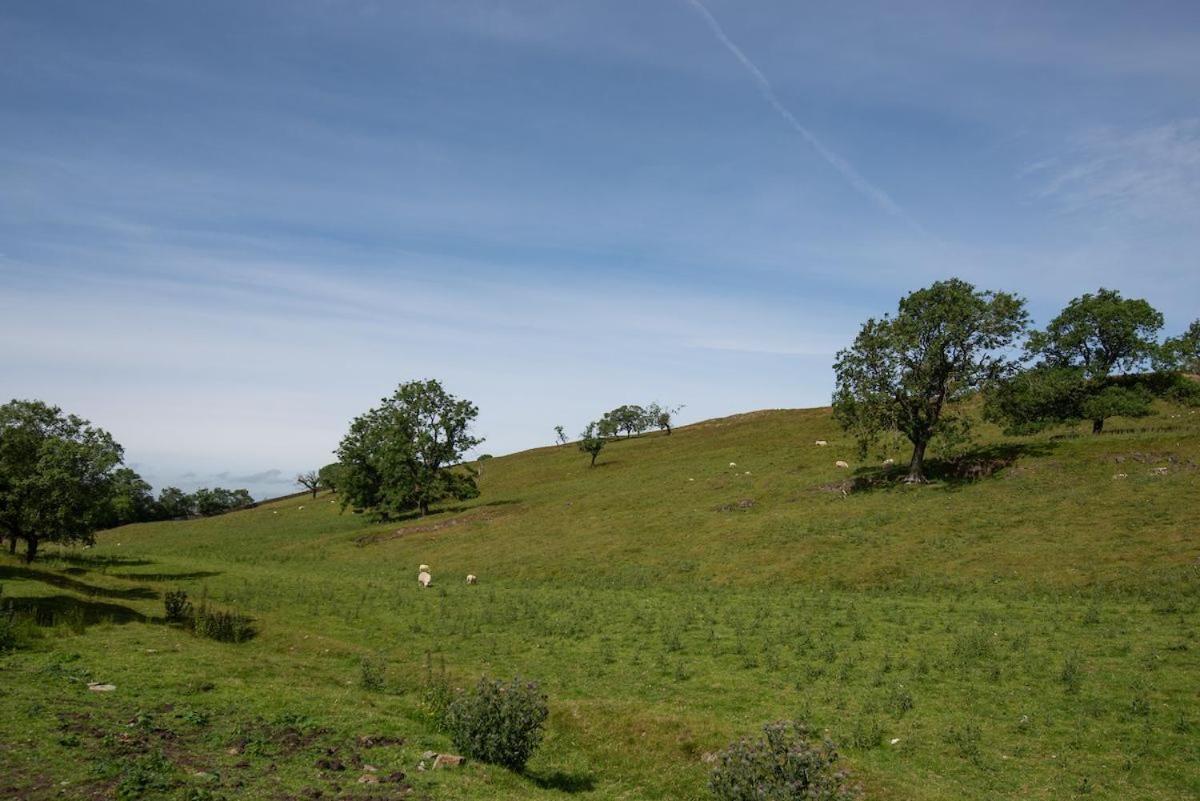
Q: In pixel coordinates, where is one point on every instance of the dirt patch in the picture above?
(744, 505)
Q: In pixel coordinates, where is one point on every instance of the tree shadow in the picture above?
(196, 574)
(63, 582)
(978, 464)
(49, 610)
(564, 782)
(91, 562)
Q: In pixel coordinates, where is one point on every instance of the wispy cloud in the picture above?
(1149, 173)
(841, 165)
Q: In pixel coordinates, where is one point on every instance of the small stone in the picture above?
(97, 687)
(368, 778)
(447, 761)
(429, 755)
(234, 750)
(895, 740)
(421, 766)
(370, 769)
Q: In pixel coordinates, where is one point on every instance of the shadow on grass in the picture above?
(14, 572)
(197, 574)
(98, 562)
(977, 465)
(564, 782)
(47, 611)
(437, 512)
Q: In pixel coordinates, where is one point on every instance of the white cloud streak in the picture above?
(841, 165)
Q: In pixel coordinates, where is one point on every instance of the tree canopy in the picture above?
(592, 441)
(407, 452)
(1075, 357)
(945, 342)
(56, 475)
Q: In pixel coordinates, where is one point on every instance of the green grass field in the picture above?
(1031, 634)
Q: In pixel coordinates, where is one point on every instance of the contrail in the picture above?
(852, 176)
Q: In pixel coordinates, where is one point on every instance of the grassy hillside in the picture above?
(1030, 634)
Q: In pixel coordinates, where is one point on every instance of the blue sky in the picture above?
(227, 228)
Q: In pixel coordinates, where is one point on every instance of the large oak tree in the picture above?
(407, 452)
(56, 476)
(945, 342)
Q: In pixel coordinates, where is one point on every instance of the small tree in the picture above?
(1077, 354)
(56, 475)
(1182, 352)
(174, 504)
(407, 452)
(945, 342)
(630, 418)
(330, 476)
(130, 500)
(591, 441)
(310, 480)
(560, 435)
(660, 416)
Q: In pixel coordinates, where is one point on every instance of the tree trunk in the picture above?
(668, 431)
(12, 543)
(314, 492)
(594, 455)
(1098, 425)
(916, 468)
(31, 546)
(424, 508)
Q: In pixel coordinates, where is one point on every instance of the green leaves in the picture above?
(1099, 333)
(56, 474)
(405, 454)
(945, 342)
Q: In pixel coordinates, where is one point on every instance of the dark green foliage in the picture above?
(945, 342)
(498, 722)
(178, 607)
(406, 453)
(592, 441)
(1182, 352)
(1099, 333)
(373, 672)
(131, 499)
(218, 500)
(148, 776)
(174, 504)
(784, 765)
(330, 476)
(1077, 353)
(56, 475)
(220, 625)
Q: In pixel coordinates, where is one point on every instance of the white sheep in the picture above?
(472, 579)
(424, 579)
(840, 463)
(733, 464)
(821, 443)
(423, 568)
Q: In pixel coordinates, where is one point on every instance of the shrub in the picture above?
(221, 626)
(783, 765)
(178, 607)
(498, 722)
(373, 672)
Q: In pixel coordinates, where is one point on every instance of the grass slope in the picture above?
(1032, 634)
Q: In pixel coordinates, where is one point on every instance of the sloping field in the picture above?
(1025, 629)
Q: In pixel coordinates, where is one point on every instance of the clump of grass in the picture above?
(1071, 674)
(965, 739)
(222, 625)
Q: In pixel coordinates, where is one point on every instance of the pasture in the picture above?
(1026, 630)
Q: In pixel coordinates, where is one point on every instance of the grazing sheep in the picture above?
(472, 579)
(301, 508)
(424, 568)
(822, 443)
(424, 579)
(888, 462)
(733, 464)
(840, 463)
